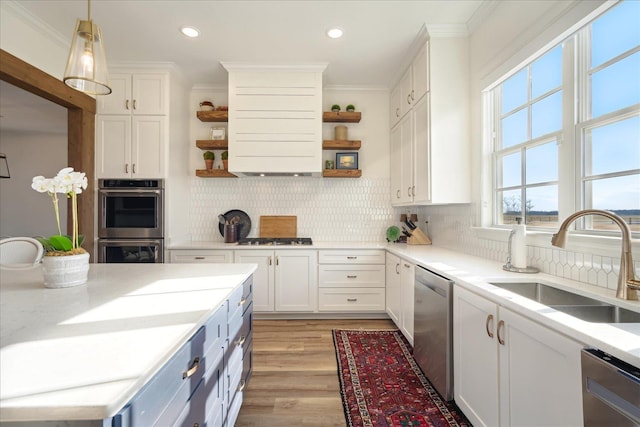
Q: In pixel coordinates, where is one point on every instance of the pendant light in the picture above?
(87, 65)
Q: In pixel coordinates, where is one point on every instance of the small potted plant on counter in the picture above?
(225, 160)
(335, 108)
(209, 156)
(351, 108)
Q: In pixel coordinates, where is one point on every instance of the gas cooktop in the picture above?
(276, 241)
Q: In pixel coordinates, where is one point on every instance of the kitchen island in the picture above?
(84, 353)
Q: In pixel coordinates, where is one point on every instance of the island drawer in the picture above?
(357, 276)
(179, 256)
(182, 373)
(351, 256)
(351, 299)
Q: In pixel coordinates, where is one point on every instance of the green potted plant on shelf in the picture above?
(335, 108)
(225, 160)
(209, 156)
(351, 108)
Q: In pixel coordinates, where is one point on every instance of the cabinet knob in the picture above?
(486, 325)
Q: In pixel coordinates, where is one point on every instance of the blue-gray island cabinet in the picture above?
(139, 345)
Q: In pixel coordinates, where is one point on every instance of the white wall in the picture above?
(23, 211)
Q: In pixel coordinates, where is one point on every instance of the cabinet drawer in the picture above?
(351, 257)
(198, 256)
(169, 382)
(360, 276)
(351, 299)
(215, 330)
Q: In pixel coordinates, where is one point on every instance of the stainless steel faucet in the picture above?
(628, 285)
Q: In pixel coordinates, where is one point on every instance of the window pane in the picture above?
(615, 147)
(542, 206)
(514, 91)
(542, 163)
(546, 73)
(615, 32)
(511, 206)
(546, 115)
(616, 86)
(620, 195)
(511, 173)
(514, 128)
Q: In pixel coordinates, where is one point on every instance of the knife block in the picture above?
(418, 238)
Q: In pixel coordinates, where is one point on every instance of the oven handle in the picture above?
(139, 192)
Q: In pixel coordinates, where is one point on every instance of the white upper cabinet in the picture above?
(144, 93)
(430, 105)
(275, 119)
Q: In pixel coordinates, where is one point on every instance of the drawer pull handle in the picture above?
(241, 341)
(126, 168)
(397, 265)
(486, 325)
(196, 424)
(352, 257)
(135, 105)
(133, 168)
(352, 299)
(126, 104)
(242, 385)
(192, 370)
(199, 257)
(352, 277)
(243, 301)
(500, 328)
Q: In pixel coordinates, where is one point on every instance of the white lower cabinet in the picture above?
(351, 280)
(392, 277)
(286, 280)
(512, 371)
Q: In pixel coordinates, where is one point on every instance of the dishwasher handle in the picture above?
(437, 290)
(437, 283)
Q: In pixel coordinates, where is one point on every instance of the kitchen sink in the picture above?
(584, 308)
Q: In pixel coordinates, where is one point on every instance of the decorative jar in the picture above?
(65, 271)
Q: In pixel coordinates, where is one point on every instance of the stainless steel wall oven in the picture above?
(130, 220)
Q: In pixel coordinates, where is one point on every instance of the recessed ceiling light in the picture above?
(335, 33)
(190, 31)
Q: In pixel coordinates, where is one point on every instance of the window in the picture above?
(567, 128)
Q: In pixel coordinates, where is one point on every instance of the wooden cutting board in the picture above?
(279, 226)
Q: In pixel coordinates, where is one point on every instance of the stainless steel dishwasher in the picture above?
(433, 329)
(610, 390)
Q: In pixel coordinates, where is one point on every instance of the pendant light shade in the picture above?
(87, 64)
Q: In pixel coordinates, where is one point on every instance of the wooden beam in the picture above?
(19, 73)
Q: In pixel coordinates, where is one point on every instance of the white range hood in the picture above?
(275, 119)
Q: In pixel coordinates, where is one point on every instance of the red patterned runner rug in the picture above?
(382, 386)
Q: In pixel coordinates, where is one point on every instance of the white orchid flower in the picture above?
(43, 185)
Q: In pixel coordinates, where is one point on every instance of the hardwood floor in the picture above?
(295, 380)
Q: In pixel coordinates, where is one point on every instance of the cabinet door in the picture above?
(394, 106)
(396, 165)
(539, 369)
(150, 94)
(406, 282)
(119, 101)
(393, 288)
(406, 159)
(420, 69)
(475, 351)
(406, 86)
(421, 153)
(148, 143)
(263, 277)
(113, 146)
(296, 281)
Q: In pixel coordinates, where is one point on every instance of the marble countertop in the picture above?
(84, 352)
(621, 340)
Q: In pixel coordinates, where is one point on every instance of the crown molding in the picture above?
(485, 9)
(13, 8)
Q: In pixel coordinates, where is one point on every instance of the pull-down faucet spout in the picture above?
(628, 285)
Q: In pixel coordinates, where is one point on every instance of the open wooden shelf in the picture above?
(341, 117)
(341, 144)
(212, 144)
(214, 173)
(213, 116)
(342, 173)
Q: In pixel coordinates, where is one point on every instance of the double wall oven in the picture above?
(131, 220)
